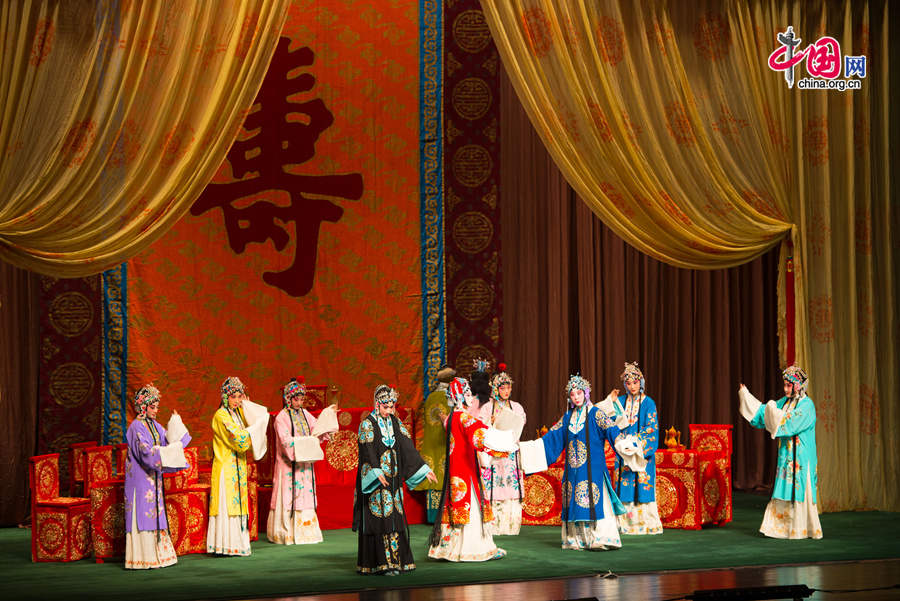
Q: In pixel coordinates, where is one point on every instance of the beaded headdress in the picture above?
(231, 385)
(481, 364)
(798, 377)
(499, 379)
(633, 372)
(385, 394)
(457, 392)
(143, 398)
(579, 382)
(296, 387)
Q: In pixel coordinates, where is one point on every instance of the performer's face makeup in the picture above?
(788, 389)
(577, 397)
(152, 409)
(385, 409)
(471, 404)
(504, 391)
(633, 386)
(297, 401)
(235, 399)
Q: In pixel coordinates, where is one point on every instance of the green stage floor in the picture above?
(274, 570)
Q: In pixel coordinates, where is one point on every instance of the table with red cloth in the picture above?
(336, 473)
(693, 486)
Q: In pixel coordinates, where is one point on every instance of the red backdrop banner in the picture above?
(302, 256)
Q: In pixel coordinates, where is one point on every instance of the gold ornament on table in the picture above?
(333, 395)
(673, 439)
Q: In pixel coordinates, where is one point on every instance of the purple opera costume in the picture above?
(147, 541)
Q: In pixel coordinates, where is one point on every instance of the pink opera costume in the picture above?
(589, 503)
(635, 414)
(791, 420)
(150, 455)
(298, 435)
(238, 426)
(502, 478)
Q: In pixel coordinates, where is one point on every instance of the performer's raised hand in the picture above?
(431, 477)
(614, 393)
(383, 480)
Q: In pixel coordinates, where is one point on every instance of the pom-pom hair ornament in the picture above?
(499, 379)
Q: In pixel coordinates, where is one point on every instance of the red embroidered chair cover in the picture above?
(713, 442)
(120, 454)
(60, 528)
(98, 466)
(76, 466)
(187, 510)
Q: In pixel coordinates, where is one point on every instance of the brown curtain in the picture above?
(578, 298)
(19, 339)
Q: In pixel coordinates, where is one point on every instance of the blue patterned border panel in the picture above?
(431, 187)
(115, 353)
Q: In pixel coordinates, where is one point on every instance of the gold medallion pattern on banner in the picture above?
(71, 313)
(472, 232)
(471, 32)
(342, 452)
(471, 98)
(472, 165)
(70, 384)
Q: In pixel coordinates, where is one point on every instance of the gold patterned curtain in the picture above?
(667, 120)
(115, 116)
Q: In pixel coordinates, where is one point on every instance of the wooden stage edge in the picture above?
(869, 580)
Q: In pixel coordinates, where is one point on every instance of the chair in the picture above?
(76, 465)
(61, 529)
(120, 452)
(98, 467)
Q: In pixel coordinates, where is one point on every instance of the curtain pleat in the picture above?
(113, 118)
(667, 122)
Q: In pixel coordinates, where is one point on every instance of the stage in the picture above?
(535, 554)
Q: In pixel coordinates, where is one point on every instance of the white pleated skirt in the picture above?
(599, 535)
(227, 534)
(798, 519)
(469, 542)
(147, 549)
(301, 528)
